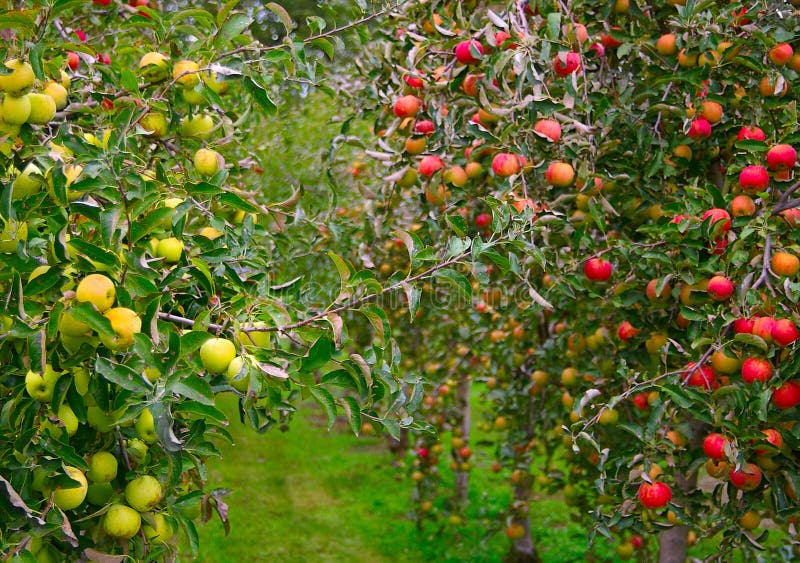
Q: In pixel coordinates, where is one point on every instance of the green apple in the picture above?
(41, 386)
(153, 66)
(152, 374)
(170, 249)
(100, 420)
(43, 108)
(72, 497)
(48, 554)
(137, 450)
(16, 110)
(191, 77)
(121, 522)
(143, 493)
(213, 82)
(157, 528)
(67, 416)
(146, 428)
(192, 96)
(199, 126)
(253, 338)
(81, 378)
(102, 467)
(98, 290)
(68, 325)
(19, 80)
(57, 92)
(40, 481)
(27, 182)
(125, 323)
(155, 124)
(99, 493)
(208, 162)
(216, 354)
(235, 369)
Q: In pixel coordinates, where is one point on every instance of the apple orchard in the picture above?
(587, 208)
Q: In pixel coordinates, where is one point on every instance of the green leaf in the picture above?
(24, 21)
(122, 375)
(259, 95)
(353, 414)
(163, 422)
(195, 388)
(318, 355)
(459, 281)
(325, 46)
(94, 253)
(325, 400)
(752, 340)
(192, 340)
(85, 312)
(284, 16)
(233, 27)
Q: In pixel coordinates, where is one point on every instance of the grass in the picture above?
(312, 495)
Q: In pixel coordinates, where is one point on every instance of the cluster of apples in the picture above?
(20, 105)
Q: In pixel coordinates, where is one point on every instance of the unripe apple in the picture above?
(192, 96)
(785, 264)
(711, 111)
(237, 376)
(67, 416)
(720, 288)
(189, 80)
(781, 54)
(406, 106)
(756, 369)
(469, 52)
(125, 323)
(160, 531)
(102, 467)
(560, 174)
(416, 145)
(723, 363)
(170, 249)
(99, 494)
(19, 80)
(155, 124)
(43, 108)
(27, 182)
(651, 288)
(11, 233)
(143, 493)
(687, 60)
(145, 427)
(474, 170)
(208, 162)
(121, 522)
(41, 386)
(199, 126)
(153, 66)
(99, 420)
(216, 354)
(254, 339)
(68, 325)
(430, 165)
(15, 110)
(770, 89)
(505, 164)
(566, 63)
(72, 497)
(549, 129)
(456, 176)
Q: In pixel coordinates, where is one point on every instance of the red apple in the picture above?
(743, 326)
(787, 395)
(720, 288)
(597, 269)
(549, 129)
(466, 49)
(406, 106)
(414, 81)
(73, 61)
(700, 129)
(505, 164)
(651, 288)
(747, 477)
(422, 453)
(560, 174)
(781, 158)
(654, 495)
(430, 165)
(781, 54)
(784, 332)
(715, 215)
(424, 127)
(703, 376)
(626, 331)
(640, 401)
(762, 326)
(751, 133)
(483, 221)
(567, 63)
(774, 438)
(754, 178)
(756, 369)
(714, 446)
(743, 206)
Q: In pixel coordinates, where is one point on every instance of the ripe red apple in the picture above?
(414, 81)
(626, 331)
(700, 129)
(597, 269)
(751, 133)
(703, 376)
(500, 39)
(787, 395)
(651, 288)
(762, 326)
(654, 495)
(781, 54)
(641, 402)
(483, 221)
(73, 61)
(773, 437)
(465, 51)
(424, 127)
(464, 452)
(714, 445)
(566, 63)
(406, 106)
(747, 477)
(637, 542)
(549, 129)
(743, 206)
(743, 326)
(104, 59)
(715, 215)
(784, 332)
(756, 369)
(598, 49)
(720, 288)
(80, 34)
(430, 165)
(422, 452)
(505, 164)
(560, 174)
(754, 178)
(781, 158)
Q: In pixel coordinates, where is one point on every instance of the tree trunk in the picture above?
(462, 477)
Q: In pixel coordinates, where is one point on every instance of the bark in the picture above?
(462, 477)
(399, 447)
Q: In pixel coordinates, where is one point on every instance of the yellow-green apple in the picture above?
(27, 182)
(121, 522)
(236, 369)
(43, 108)
(102, 467)
(170, 249)
(19, 80)
(216, 354)
(69, 497)
(15, 110)
(208, 162)
(156, 527)
(185, 73)
(41, 386)
(125, 323)
(98, 290)
(57, 92)
(143, 493)
(145, 427)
